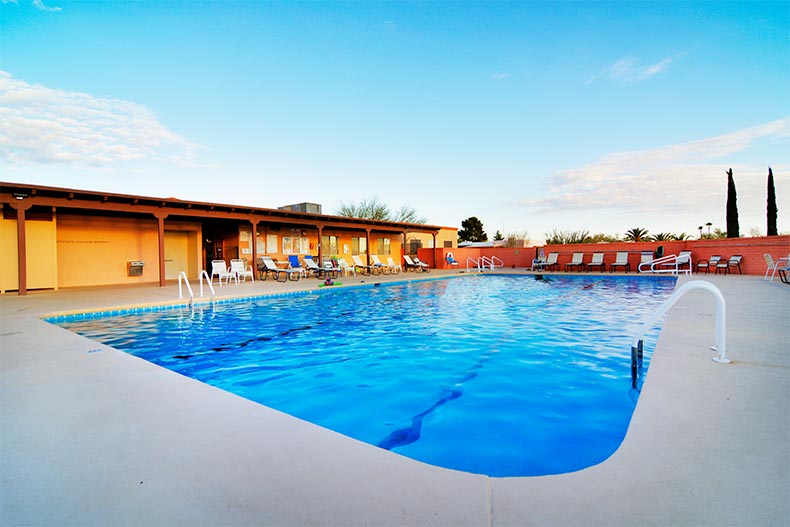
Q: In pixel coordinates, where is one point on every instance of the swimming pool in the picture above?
(498, 375)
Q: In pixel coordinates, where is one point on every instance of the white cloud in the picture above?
(39, 4)
(672, 179)
(42, 125)
(500, 76)
(628, 69)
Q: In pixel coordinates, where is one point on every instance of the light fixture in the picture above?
(20, 195)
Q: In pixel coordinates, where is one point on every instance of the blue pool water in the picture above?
(498, 375)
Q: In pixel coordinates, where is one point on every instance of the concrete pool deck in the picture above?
(93, 436)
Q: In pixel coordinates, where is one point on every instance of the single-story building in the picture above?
(58, 237)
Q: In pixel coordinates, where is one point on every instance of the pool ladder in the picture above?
(182, 279)
(483, 263)
(720, 344)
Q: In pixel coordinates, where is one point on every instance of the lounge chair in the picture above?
(576, 262)
(395, 266)
(329, 270)
(346, 269)
(358, 265)
(783, 274)
(410, 264)
(773, 265)
(597, 261)
(220, 269)
(734, 261)
(551, 262)
(379, 265)
(621, 261)
(267, 266)
(708, 264)
(422, 266)
(311, 267)
(238, 270)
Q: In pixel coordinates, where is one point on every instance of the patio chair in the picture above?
(409, 264)
(220, 269)
(734, 261)
(311, 267)
(269, 267)
(597, 261)
(450, 259)
(422, 266)
(783, 274)
(551, 262)
(358, 265)
(342, 264)
(238, 270)
(293, 263)
(772, 266)
(708, 264)
(621, 261)
(395, 266)
(576, 262)
(379, 265)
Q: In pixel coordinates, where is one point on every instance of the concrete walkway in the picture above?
(93, 436)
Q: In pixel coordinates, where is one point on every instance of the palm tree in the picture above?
(663, 237)
(637, 234)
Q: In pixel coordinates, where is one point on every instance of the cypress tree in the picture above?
(733, 231)
(772, 210)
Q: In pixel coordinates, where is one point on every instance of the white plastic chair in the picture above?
(774, 265)
(220, 269)
(238, 270)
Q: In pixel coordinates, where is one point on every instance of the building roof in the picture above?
(38, 195)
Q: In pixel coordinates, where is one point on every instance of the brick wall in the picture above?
(752, 250)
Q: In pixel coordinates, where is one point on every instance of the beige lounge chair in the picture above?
(576, 262)
(597, 261)
(621, 261)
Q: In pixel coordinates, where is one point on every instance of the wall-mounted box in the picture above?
(134, 268)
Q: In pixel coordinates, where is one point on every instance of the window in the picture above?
(383, 246)
(271, 243)
(294, 245)
(448, 244)
(329, 245)
(359, 245)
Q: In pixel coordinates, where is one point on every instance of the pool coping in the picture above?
(78, 443)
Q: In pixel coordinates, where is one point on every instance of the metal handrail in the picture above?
(203, 273)
(491, 261)
(182, 276)
(671, 259)
(720, 344)
(474, 261)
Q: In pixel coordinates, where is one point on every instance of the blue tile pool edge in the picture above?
(181, 304)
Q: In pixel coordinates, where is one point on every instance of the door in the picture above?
(176, 254)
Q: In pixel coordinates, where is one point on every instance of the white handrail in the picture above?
(475, 262)
(721, 317)
(183, 276)
(208, 281)
(672, 259)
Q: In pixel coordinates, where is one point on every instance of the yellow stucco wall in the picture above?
(94, 251)
(445, 235)
(41, 255)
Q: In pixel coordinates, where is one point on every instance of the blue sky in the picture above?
(531, 116)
